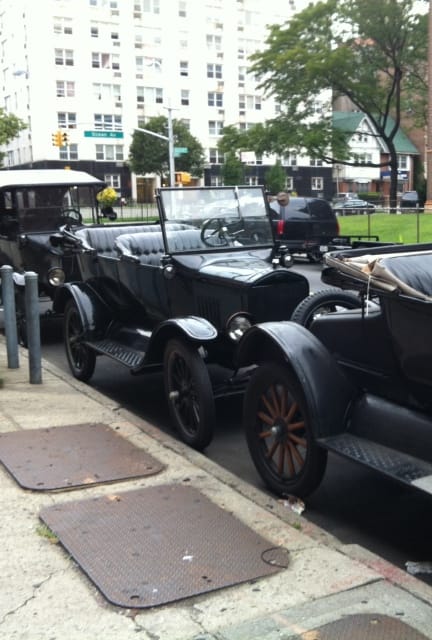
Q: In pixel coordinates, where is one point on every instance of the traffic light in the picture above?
(65, 139)
(183, 177)
(57, 139)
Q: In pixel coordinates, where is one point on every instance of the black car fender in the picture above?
(328, 392)
(193, 329)
(94, 312)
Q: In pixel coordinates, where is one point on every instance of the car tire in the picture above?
(279, 432)
(81, 359)
(322, 302)
(189, 394)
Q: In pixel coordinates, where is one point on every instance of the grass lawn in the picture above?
(406, 227)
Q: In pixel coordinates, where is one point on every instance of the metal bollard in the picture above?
(8, 295)
(33, 326)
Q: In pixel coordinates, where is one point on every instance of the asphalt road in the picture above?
(353, 503)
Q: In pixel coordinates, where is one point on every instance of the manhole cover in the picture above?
(160, 544)
(72, 456)
(363, 627)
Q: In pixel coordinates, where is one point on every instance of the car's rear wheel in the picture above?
(81, 358)
(189, 394)
(322, 302)
(279, 433)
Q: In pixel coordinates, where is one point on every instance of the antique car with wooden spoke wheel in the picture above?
(357, 383)
(176, 296)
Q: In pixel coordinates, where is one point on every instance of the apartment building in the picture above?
(97, 69)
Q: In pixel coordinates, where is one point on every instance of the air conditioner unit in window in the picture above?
(119, 104)
(221, 112)
(117, 74)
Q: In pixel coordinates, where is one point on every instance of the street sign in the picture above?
(103, 134)
(179, 150)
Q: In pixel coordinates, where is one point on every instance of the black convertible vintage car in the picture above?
(176, 296)
(357, 383)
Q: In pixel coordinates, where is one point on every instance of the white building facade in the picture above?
(97, 69)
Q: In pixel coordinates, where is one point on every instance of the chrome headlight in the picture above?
(56, 277)
(237, 325)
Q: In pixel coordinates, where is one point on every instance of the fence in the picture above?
(403, 226)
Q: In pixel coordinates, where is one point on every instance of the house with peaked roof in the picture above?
(368, 149)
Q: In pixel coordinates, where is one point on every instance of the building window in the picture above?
(317, 184)
(215, 127)
(94, 32)
(150, 95)
(105, 60)
(214, 71)
(289, 184)
(184, 68)
(216, 181)
(403, 162)
(112, 180)
(215, 156)
(66, 120)
(214, 99)
(110, 152)
(214, 42)
(184, 97)
(107, 122)
(315, 162)
(65, 89)
(249, 102)
(64, 57)
(147, 6)
(70, 152)
(290, 160)
(62, 26)
(182, 9)
(107, 92)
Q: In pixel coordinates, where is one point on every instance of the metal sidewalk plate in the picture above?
(160, 544)
(363, 627)
(72, 456)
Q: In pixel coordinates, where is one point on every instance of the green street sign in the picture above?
(103, 134)
(179, 150)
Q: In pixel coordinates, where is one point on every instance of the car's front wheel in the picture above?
(322, 302)
(279, 433)
(189, 394)
(81, 358)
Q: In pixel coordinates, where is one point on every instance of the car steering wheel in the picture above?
(214, 233)
(71, 216)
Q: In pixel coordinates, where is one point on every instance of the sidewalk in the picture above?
(44, 594)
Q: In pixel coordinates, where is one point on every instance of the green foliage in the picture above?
(232, 170)
(371, 52)
(10, 126)
(149, 154)
(275, 178)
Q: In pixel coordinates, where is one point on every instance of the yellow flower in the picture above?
(107, 197)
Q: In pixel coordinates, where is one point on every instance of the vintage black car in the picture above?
(36, 206)
(357, 383)
(178, 295)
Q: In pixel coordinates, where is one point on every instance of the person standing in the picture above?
(280, 204)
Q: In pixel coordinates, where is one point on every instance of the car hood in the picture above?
(244, 268)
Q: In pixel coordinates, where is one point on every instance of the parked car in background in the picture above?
(308, 227)
(37, 207)
(352, 206)
(410, 200)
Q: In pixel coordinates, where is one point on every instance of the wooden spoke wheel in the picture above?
(81, 358)
(279, 433)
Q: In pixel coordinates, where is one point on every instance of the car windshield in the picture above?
(219, 217)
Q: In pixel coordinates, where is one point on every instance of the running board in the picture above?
(396, 465)
(131, 358)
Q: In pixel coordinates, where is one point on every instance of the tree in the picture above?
(372, 52)
(275, 178)
(10, 126)
(232, 170)
(149, 154)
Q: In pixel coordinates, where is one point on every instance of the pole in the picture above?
(8, 295)
(33, 327)
(171, 147)
(428, 203)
